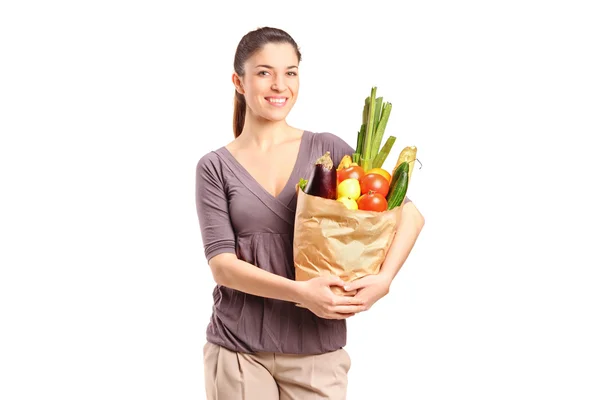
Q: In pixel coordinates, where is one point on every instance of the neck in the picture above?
(264, 134)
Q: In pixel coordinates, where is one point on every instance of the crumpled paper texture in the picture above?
(332, 239)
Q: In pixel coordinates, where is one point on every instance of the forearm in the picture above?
(409, 228)
(236, 274)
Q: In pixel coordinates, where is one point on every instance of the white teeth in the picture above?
(278, 101)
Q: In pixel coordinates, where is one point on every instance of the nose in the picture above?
(278, 83)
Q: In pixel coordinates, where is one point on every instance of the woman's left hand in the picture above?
(370, 288)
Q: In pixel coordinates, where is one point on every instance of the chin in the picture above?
(276, 117)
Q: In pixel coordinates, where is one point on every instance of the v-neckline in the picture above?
(288, 183)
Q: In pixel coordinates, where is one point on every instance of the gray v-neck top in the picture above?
(237, 215)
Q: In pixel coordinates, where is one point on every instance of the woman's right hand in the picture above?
(317, 296)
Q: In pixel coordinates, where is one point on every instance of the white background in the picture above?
(105, 108)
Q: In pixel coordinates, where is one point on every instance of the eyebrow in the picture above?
(270, 67)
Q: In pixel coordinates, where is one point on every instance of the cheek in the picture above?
(257, 90)
(294, 85)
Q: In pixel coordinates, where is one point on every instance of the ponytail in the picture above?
(239, 113)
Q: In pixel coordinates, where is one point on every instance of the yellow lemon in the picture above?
(349, 188)
(350, 204)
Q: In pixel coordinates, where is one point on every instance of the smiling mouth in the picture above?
(277, 101)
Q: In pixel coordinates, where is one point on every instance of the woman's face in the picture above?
(270, 82)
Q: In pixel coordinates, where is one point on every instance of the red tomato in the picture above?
(372, 202)
(354, 171)
(376, 183)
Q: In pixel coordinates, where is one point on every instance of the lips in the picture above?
(277, 101)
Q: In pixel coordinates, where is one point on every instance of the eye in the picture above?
(263, 73)
(292, 73)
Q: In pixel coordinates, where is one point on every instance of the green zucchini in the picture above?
(398, 186)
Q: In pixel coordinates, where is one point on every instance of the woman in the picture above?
(260, 344)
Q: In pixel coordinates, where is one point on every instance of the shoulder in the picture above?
(331, 141)
(210, 165)
(208, 160)
(334, 144)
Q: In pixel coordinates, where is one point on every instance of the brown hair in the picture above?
(248, 45)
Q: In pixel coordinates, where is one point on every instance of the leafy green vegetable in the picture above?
(376, 113)
(302, 184)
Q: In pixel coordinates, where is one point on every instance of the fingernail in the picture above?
(347, 288)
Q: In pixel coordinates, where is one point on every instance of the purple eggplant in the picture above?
(323, 178)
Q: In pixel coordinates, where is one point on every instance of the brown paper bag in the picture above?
(332, 239)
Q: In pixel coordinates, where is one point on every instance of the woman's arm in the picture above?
(236, 274)
(371, 288)
(314, 294)
(410, 226)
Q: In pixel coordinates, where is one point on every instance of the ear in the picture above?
(237, 82)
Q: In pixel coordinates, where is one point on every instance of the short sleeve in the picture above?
(217, 232)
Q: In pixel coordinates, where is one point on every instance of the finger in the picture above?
(332, 315)
(344, 316)
(338, 315)
(348, 301)
(348, 309)
(335, 281)
(352, 286)
(359, 283)
(350, 293)
(356, 285)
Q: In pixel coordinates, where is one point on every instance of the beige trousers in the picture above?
(229, 375)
